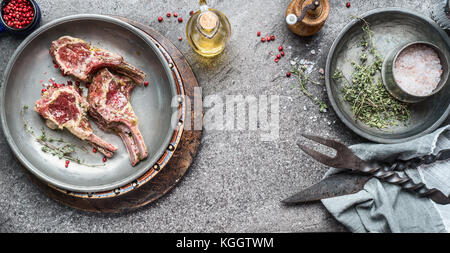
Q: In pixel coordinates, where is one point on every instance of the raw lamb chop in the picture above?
(110, 108)
(64, 107)
(78, 58)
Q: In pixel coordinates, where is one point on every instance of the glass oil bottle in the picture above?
(208, 31)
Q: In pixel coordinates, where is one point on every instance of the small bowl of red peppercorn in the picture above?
(19, 17)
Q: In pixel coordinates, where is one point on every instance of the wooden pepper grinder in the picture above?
(306, 17)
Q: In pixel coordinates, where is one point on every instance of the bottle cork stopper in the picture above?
(208, 20)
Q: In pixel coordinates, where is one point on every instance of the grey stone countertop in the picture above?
(238, 178)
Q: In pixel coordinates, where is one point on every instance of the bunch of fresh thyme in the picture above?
(370, 102)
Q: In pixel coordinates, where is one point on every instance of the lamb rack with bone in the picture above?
(64, 107)
(79, 59)
(110, 108)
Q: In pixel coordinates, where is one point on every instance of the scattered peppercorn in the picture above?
(272, 37)
(278, 56)
(263, 39)
(191, 13)
(258, 33)
(146, 83)
(105, 159)
(168, 14)
(175, 14)
(180, 19)
(288, 74)
(280, 48)
(282, 53)
(268, 38)
(94, 150)
(348, 4)
(160, 19)
(180, 38)
(276, 60)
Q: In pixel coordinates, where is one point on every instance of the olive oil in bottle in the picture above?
(208, 31)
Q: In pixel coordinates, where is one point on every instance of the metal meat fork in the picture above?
(345, 159)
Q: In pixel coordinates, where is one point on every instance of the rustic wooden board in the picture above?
(169, 176)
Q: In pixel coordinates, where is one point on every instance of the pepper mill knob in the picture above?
(307, 17)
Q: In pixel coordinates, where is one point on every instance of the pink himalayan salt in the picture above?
(418, 70)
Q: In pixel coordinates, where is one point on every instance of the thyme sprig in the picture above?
(65, 151)
(300, 71)
(370, 102)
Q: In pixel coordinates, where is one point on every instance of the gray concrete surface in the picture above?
(237, 181)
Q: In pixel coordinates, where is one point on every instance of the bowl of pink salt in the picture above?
(415, 71)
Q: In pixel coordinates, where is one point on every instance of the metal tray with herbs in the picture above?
(353, 76)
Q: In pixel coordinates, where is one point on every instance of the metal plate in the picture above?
(155, 105)
(391, 27)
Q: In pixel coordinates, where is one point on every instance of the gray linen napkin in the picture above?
(383, 207)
